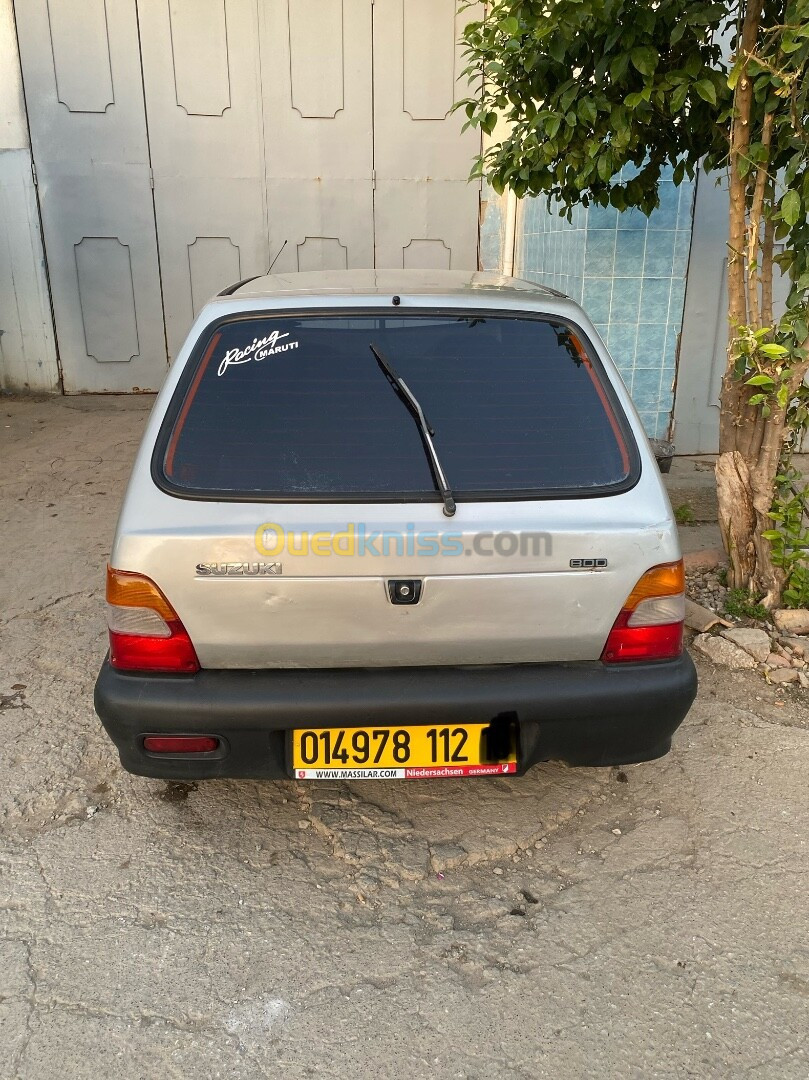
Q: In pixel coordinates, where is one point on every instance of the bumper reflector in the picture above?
(180, 744)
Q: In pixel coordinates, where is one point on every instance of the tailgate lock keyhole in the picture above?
(404, 591)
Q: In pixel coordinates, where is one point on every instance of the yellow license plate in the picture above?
(401, 753)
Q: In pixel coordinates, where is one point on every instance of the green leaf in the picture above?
(558, 48)
(587, 111)
(773, 352)
(693, 64)
(619, 67)
(510, 26)
(756, 399)
(489, 122)
(645, 59)
(706, 90)
(771, 534)
(760, 380)
(677, 32)
(678, 97)
(605, 166)
(791, 207)
(735, 72)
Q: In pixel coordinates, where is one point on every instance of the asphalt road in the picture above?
(645, 922)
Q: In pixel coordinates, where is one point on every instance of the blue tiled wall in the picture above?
(628, 272)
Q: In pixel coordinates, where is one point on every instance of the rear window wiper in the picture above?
(406, 394)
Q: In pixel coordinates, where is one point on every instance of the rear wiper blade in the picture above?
(426, 432)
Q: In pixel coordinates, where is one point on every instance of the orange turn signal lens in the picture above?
(135, 590)
(665, 580)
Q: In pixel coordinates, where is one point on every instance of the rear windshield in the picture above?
(297, 407)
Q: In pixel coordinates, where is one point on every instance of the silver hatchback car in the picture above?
(393, 524)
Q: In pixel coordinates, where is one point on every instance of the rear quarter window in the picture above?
(295, 407)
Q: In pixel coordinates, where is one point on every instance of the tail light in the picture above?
(145, 631)
(650, 624)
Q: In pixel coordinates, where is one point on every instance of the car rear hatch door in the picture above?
(304, 489)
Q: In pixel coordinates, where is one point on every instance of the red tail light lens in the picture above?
(180, 744)
(145, 631)
(650, 624)
(627, 643)
(130, 652)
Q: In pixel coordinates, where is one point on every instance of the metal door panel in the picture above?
(317, 88)
(425, 211)
(417, 66)
(318, 132)
(81, 71)
(202, 82)
(426, 225)
(320, 225)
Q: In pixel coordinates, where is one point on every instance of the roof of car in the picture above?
(385, 282)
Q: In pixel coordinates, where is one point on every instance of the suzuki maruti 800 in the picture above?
(393, 524)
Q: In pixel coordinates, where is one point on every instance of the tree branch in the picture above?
(767, 248)
(754, 264)
(737, 291)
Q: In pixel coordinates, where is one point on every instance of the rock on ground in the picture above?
(775, 660)
(783, 675)
(723, 652)
(799, 645)
(754, 642)
(792, 620)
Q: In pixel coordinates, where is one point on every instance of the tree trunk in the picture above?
(745, 471)
(737, 518)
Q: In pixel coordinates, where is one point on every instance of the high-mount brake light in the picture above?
(650, 624)
(146, 633)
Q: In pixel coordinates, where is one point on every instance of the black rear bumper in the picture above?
(581, 713)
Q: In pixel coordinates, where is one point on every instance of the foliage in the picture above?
(762, 364)
(742, 604)
(683, 514)
(790, 541)
(589, 87)
(598, 98)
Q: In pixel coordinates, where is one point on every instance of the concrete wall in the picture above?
(703, 344)
(27, 344)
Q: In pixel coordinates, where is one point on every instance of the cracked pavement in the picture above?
(641, 922)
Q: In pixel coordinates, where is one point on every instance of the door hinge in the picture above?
(373, 179)
(151, 179)
(34, 176)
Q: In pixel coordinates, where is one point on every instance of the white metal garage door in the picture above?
(183, 144)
